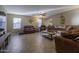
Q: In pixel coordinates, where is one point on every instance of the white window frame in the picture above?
(16, 23)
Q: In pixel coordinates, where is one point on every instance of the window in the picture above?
(39, 22)
(2, 22)
(16, 23)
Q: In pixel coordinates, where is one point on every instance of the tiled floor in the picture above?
(30, 43)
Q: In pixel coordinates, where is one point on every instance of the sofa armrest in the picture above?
(66, 45)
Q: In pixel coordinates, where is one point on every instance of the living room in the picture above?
(34, 28)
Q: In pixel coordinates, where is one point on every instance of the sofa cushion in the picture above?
(69, 35)
(29, 29)
(68, 27)
(77, 38)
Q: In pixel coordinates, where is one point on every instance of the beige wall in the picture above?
(72, 17)
(54, 19)
(25, 21)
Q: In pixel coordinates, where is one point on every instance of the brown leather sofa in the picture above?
(66, 42)
(29, 29)
(51, 28)
(64, 45)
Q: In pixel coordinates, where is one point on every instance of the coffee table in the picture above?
(49, 35)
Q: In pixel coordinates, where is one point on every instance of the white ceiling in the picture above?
(37, 9)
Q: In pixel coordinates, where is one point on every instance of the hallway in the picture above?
(30, 43)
